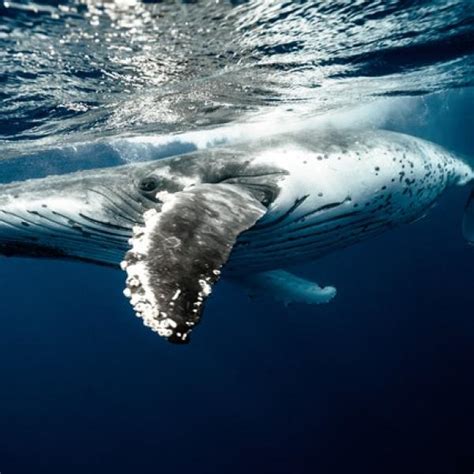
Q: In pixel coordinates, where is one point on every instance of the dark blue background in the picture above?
(379, 381)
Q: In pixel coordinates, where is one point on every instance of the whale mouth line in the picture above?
(33, 250)
(77, 233)
(89, 226)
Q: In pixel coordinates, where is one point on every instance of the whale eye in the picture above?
(148, 184)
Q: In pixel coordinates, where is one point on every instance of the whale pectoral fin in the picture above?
(287, 288)
(177, 256)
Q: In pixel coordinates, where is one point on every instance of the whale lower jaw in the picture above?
(52, 228)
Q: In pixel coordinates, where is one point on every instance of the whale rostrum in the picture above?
(176, 225)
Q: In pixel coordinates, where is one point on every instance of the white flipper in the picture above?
(288, 288)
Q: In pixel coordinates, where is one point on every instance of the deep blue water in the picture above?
(378, 381)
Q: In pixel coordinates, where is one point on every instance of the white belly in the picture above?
(344, 190)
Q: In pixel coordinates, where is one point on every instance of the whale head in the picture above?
(90, 215)
(87, 215)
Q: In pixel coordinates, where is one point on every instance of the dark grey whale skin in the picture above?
(189, 245)
(113, 201)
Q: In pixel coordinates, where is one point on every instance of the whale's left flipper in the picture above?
(177, 256)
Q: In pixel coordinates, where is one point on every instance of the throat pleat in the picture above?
(314, 245)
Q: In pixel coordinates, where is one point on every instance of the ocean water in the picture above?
(378, 381)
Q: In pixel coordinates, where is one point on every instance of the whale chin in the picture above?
(86, 219)
(63, 229)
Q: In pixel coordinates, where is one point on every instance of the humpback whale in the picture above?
(245, 212)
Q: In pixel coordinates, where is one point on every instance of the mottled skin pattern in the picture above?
(315, 193)
(189, 242)
(90, 215)
(344, 189)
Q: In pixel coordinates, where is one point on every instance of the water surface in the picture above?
(379, 381)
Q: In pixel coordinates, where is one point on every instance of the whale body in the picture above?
(246, 212)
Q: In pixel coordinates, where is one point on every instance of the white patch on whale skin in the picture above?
(139, 288)
(359, 170)
(65, 205)
(206, 288)
(344, 190)
(185, 182)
